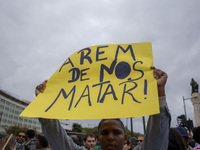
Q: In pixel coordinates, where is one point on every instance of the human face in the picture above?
(21, 137)
(111, 135)
(89, 143)
(140, 140)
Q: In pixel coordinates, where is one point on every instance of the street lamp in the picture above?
(131, 119)
(184, 104)
(144, 127)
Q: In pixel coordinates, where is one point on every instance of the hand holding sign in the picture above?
(95, 79)
(40, 88)
(161, 78)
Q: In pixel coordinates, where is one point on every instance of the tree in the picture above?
(91, 130)
(128, 133)
(15, 129)
(76, 127)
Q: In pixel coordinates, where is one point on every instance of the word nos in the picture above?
(122, 70)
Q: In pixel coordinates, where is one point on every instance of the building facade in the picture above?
(10, 109)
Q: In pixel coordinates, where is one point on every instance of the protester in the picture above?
(184, 133)
(41, 143)
(8, 143)
(20, 141)
(89, 141)
(30, 143)
(191, 142)
(111, 134)
(196, 136)
(133, 142)
(21, 137)
(176, 141)
(140, 140)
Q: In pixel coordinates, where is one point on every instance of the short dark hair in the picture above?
(42, 140)
(133, 140)
(30, 133)
(88, 135)
(117, 119)
(196, 134)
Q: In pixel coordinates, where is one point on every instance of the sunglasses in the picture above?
(21, 136)
(140, 141)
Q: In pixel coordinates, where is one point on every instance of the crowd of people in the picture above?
(180, 138)
(24, 140)
(111, 132)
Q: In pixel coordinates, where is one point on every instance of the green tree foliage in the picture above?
(76, 127)
(128, 133)
(91, 130)
(15, 129)
(95, 131)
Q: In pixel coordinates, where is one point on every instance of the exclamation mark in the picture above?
(145, 88)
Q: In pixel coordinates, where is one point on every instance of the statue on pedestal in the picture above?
(195, 86)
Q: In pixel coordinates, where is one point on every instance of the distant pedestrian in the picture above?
(30, 143)
(184, 133)
(133, 142)
(140, 140)
(176, 141)
(20, 141)
(89, 141)
(41, 143)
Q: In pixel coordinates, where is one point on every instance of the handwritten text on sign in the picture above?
(105, 81)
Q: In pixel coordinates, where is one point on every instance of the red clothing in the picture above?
(197, 146)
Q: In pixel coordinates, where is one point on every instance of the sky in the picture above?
(36, 37)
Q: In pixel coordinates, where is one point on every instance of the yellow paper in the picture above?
(104, 81)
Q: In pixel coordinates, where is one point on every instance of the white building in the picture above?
(10, 109)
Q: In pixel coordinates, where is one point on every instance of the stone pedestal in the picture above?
(196, 104)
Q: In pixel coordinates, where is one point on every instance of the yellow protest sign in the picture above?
(104, 81)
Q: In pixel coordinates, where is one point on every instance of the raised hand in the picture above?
(161, 78)
(40, 88)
